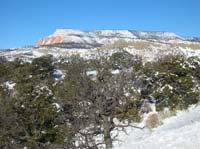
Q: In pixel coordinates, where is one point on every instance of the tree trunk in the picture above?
(106, 131)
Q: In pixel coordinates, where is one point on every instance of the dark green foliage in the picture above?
(121, 60)
(175, 85)
(31, 123)
(29, 116)
(129, 111)
(43, 66)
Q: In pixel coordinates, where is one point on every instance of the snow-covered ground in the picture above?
(178, 132)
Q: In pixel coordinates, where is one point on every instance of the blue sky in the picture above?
(23, 22)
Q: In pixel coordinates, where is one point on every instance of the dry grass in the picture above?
(140, 45)
(153, 120)
(144, 45)
(184, 45)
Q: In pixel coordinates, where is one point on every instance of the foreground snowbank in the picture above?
(178, 132)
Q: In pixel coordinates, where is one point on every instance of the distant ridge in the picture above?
(104, 36)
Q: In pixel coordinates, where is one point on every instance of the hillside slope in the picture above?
(177, 132)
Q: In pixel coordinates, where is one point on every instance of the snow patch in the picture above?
(178, 132)
(9, 85)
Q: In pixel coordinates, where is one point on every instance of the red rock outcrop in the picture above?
(49, 40)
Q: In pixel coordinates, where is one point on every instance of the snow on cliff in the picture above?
(102, 36)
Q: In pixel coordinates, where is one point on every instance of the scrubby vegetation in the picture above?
(39, 109)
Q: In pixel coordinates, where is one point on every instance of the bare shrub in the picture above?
(153, 120)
